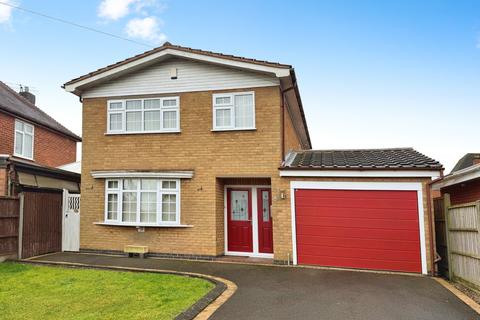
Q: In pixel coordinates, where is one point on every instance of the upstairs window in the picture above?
(234, 111)
(144, 115)
(23, 140)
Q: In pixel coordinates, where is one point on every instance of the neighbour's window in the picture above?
(144, 115)
(23, 139)
(142, 201)
(234, 111)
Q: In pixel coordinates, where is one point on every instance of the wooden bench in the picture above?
(133, 250)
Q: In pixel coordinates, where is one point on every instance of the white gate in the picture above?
(71, 222)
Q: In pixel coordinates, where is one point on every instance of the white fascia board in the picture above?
(130, 174)
(279, 72)
(361, 173)
(460, 176)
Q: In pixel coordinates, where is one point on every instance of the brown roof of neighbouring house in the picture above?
(168, 45)
(466, 161)
(13, 103)
(361, 159)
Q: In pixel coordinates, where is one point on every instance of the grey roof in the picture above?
(466, 161)
(361, 159)
(13, 103)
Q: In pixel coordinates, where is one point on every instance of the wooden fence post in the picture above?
(446, 206)
(20, 226)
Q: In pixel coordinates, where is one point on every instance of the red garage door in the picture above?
(358, 229)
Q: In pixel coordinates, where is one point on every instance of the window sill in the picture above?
(23, 157)
(141, 132)
(234, 129)
(142, 225)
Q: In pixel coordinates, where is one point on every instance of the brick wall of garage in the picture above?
(209, 154)
(281, 215)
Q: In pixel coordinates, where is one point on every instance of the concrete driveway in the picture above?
(271, 292)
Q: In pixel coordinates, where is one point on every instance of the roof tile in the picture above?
(396, 158)
(12, 102)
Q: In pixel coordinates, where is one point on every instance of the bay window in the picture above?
(234, 111)
(144, 115)
(140, 202)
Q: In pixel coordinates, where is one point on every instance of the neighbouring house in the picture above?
(33, 144)
(193, 153)
(463, 183)
(457, 215)
(32, 189)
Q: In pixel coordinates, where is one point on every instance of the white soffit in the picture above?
(278, 72)
(460, 176)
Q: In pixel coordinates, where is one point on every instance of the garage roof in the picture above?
(380, 159)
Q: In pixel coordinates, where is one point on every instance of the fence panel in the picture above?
(441, 236)
(464, 242)
(42, 223)
(9, 216)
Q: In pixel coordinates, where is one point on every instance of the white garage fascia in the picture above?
(344, 185)
(361, 173)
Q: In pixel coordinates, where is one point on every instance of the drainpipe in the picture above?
(432, 230)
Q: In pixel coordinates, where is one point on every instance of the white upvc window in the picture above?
(234, 111)
(150, 115)
(24, 140)
(142, 202)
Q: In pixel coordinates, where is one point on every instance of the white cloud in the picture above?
(114, 9)
(147, 28)
(6, 12)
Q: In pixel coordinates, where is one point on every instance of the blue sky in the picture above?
(371, 73)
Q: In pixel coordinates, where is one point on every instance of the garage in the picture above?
(365, 229)
(361, 209)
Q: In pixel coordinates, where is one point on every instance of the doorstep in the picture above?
(246, 260)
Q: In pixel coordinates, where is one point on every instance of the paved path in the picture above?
(272, 292)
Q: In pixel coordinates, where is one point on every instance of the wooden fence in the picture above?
(9, 216)
(41, 223)
(441, 236)
(463, 241)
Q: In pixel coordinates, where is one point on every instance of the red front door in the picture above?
(239, 219)
(265, 231)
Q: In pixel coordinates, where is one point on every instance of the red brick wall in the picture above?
(464, 192)
(7, 125)
(50, 149)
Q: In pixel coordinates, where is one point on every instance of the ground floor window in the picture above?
(142, 201)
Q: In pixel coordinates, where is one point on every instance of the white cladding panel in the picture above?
(191, 76)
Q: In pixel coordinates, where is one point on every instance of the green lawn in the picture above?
(42, 292)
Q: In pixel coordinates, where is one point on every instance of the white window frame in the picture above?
(231, 107)
(162, 109)
(159, 191)
(22, 155)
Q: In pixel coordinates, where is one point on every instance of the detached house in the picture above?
(200, 154)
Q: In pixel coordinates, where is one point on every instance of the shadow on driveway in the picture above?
(272, 292)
